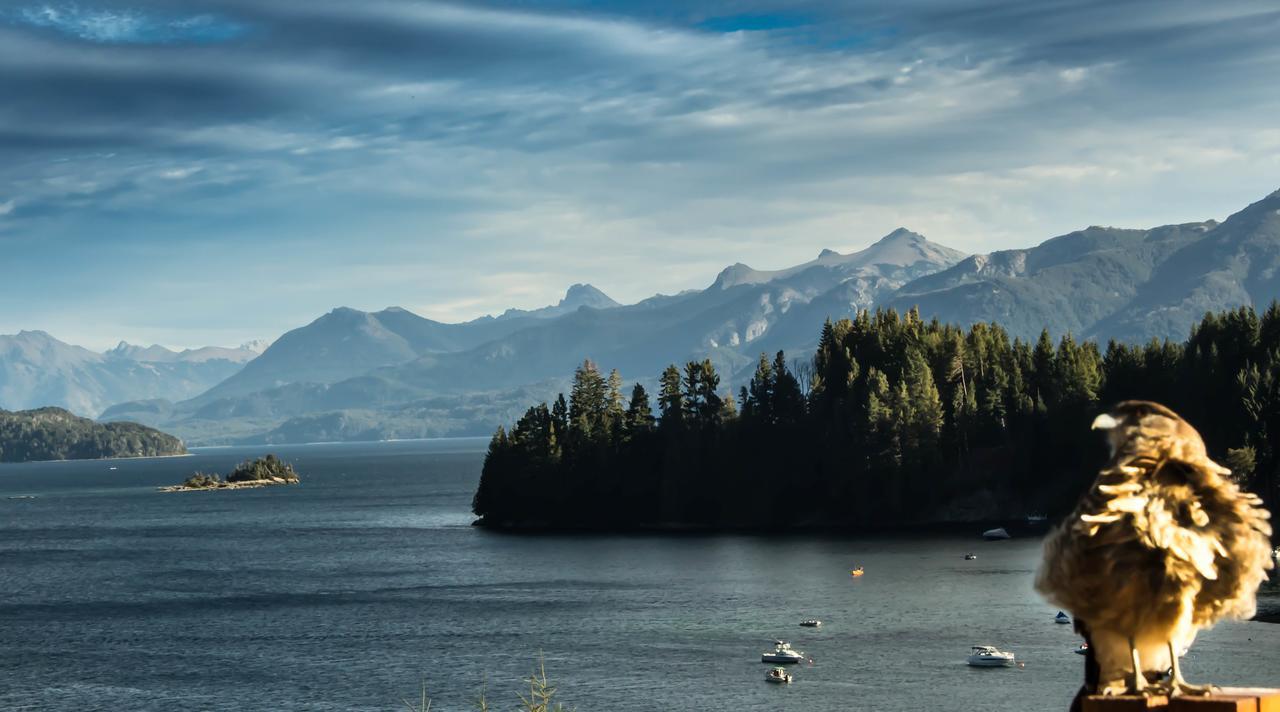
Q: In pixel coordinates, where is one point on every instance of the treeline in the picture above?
(894, 421)
(56, 434)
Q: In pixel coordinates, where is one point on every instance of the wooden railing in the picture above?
(1228, 699)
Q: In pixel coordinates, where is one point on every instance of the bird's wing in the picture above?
(1205, 520)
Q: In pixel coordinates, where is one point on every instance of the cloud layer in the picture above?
(241, 167)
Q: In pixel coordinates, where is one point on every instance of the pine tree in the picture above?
(639, 416)
(671, 398)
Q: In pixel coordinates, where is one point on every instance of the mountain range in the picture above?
(352, 374)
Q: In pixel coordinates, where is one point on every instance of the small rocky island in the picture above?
(57, 434)
(262, 472)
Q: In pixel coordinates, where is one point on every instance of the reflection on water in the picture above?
(339, 593)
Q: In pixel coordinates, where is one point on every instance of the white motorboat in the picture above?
(988, 656)
(779, 675)
(970, 557)
(995, 534)
(1083, 649)
(811, 623)
(782, 653)
(1062, 618)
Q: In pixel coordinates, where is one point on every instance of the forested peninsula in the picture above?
(895, 422)
(56, 434)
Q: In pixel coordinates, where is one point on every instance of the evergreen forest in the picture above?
(894, 422)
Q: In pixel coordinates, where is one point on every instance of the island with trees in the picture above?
(895, 422)
(57, 434)
(262, 472)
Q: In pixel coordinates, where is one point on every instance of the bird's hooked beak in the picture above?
(1104, 422)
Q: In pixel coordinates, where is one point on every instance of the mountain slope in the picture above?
(347, 342)
(1237, 263)
(1066, 284)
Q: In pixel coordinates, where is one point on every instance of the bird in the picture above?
(1162, 545)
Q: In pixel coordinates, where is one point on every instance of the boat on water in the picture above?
(782, 653)
(856, 572)
(1082, 649)
(1062, 618)
(778, 674)
(989, 656)
(970, 557)
(811, 623)
(21, 496)
(995, 534)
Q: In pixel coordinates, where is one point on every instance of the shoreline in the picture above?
(250, 484)
(98, 459)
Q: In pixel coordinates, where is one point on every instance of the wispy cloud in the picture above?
(399, 152)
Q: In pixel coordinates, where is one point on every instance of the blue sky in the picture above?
(212, 171)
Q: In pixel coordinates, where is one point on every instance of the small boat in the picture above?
(811, 623)
(995, 534)
(1062, 618)
(970, 557)
(1034, 519)
(856, 572)
(988, 656)
(782, 653)
(1083, 649)
(22, 496)
(778, 674)
(113, 467)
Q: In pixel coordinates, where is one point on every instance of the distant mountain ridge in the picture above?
(158, 354)
(38, 370)
(577, 296)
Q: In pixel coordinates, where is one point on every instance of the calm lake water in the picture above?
(340, 593)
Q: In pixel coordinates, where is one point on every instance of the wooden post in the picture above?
(1227, 699)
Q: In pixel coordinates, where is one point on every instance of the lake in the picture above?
(343, 592)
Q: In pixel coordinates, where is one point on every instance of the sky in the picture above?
(212, 171)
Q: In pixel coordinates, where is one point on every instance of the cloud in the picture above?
(638, 148)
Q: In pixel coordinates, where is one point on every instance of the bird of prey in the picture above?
(1161, 546)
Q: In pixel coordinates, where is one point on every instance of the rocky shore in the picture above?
(222, 484)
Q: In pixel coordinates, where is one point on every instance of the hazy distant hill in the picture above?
(55, 434)
(38, 370)
(347, 342)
